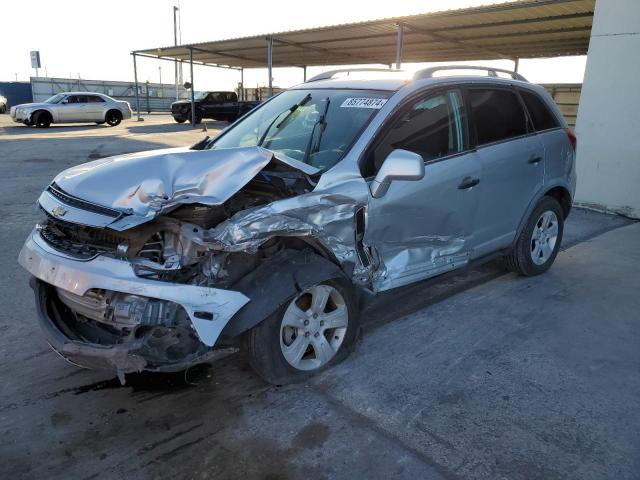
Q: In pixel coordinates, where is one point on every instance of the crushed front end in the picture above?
(98, 313)
(151, 281)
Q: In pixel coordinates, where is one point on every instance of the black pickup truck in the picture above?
(216, 105)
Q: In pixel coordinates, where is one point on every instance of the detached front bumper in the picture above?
(208, 309)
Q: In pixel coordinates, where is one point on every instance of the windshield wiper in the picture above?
(322, 121)
(290, 111)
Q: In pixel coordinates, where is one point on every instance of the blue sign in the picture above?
(35, 59)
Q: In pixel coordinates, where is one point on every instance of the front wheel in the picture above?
(540, 239)
(313, 330)
(42, 120)
(180, 119)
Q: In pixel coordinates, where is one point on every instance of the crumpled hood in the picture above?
(143, 183)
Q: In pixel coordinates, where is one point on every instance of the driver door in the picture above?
(421, 228)
(72, 109)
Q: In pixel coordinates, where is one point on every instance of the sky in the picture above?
(92, 39)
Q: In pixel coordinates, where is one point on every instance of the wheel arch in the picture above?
(113, 109)
(558, 191)
(42, 110)
(273, 282)
(562, 195)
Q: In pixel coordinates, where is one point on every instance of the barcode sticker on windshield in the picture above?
(364, 103)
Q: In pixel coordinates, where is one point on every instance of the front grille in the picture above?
(79, 241)
(57, 192)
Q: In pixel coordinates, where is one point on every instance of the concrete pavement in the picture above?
(481, 374)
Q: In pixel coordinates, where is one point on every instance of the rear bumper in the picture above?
(208, 309)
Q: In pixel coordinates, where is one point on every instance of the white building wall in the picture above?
(608, 124)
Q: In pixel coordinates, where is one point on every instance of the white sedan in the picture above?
(72, 107)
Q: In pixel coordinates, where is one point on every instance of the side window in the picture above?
(539, 112)
(215, 98)
(497, 114)
(95, 99)
(72, 99)
(78, 99)
(433, 127)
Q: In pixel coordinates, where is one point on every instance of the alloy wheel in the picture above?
(544, 237)
(313, 327)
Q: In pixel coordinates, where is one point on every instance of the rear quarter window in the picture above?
(541, 116)
(497, 114)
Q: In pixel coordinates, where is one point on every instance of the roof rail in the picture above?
(332, 73)
(492, 72)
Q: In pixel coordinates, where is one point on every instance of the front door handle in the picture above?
(535, 159)
(468, 182)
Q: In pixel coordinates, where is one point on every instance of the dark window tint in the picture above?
(433, 127)
(94, 99)
(498, 115)
(77, 99)
(540, 114)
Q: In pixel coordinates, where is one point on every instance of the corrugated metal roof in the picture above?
(525, 29)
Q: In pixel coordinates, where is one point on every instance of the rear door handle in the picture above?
(468, 182)
(535, 159)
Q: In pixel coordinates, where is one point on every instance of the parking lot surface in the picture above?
(478, 374)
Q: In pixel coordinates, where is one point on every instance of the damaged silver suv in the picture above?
(265, 237)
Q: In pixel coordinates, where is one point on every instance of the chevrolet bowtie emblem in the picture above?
(58, 211)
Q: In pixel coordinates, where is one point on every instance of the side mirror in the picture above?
(65, 101)
(399, 165)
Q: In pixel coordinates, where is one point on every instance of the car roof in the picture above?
(85, 93)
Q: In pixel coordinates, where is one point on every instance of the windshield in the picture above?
(199, 95)
(312, 126)
(55, 99)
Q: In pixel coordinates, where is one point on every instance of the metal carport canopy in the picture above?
(522, 29)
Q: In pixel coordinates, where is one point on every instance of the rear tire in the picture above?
(42, 119)
(113, 118)
(322, 336)
(539, 241)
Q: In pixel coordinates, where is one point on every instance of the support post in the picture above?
(270, 63)
(304, 73)
(193, 93)
(242, 84)
(135, 79)
(399, 41)
(175, 42)
(146, 86)
(516, 64)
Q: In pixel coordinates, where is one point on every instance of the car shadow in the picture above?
(19, 129)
